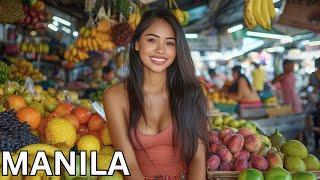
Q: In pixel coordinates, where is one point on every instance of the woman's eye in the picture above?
(151, 40)
(170, 43)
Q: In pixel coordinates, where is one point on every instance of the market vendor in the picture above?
(109, 75)
(242, 91)
(287, 82)
(158, 116)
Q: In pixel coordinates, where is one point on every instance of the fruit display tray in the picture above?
(233, 175)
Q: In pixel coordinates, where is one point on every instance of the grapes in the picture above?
(121, 34)
(14, 134)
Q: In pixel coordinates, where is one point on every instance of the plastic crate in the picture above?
(228, 108)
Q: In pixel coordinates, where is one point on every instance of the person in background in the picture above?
(287, 83)
(313, 91)
(259, 77)
(242, 91)
(216, 79)
(109, 74)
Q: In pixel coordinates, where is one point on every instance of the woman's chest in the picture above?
(157, 115)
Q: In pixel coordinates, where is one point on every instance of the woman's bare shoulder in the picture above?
(116, 93)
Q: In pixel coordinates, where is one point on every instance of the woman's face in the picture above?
(235, 75)
(157, 46)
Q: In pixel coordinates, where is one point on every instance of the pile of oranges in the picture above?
(83, 121)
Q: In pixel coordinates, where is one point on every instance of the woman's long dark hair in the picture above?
(187, 101)
(234, 86)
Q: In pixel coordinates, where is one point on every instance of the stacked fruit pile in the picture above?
(258, 12)
(276, 173)
(235, 151)
(90, 39)
(240, 150)
(14, 133)
(60, 121)
(35, 17)
(21, 68)
(218, 97)
(228, 121)
(40, 48)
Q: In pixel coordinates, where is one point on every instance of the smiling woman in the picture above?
(158, 115)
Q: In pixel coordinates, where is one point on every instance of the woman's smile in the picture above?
(158, 60)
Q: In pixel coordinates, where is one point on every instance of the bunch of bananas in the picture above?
(96, 38)
(21, 68)
(134, 19)
(41, 48)
(182, 16)
(259, 12)
(4, 72)
(74, 54)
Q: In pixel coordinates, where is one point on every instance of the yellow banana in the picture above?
(257, 12)
(34, 148)
(271, 9)
(266, 15)
(137, 20)
(249, 18)
(74, 51)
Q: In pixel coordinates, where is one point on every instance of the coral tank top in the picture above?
(159, 159)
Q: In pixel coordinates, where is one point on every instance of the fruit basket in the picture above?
(228, 108)
(233, 175)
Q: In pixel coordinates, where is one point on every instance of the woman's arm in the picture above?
(241, 87)
(198, 165)
(113, 101)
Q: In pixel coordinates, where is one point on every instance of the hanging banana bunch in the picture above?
(135, 16)
(259, 12)
(181, 15)
(92, 37)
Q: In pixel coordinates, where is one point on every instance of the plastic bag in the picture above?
(99, 109)
(29, 86)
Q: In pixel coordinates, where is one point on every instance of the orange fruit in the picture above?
(83, 130)
(29, 115)
(16, 102)
(82, 114)
(63, 109)
(95, 123)
(74, 121)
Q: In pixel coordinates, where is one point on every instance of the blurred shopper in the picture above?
(216, 79)
(313, 91)
(287, 83)
(242, 91)
(109, 75)
(259, 77)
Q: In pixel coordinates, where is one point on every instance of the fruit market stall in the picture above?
(246, 152)
(51, 78)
